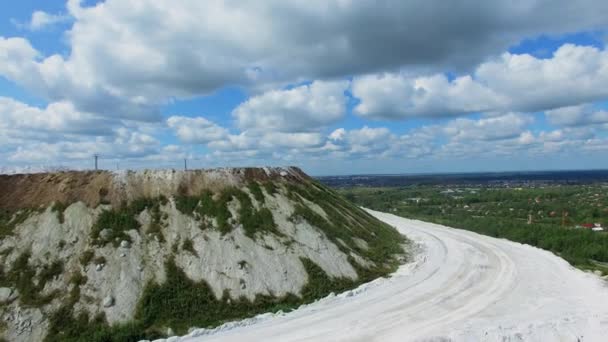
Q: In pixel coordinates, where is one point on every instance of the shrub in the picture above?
(86, 257)
(189, 247)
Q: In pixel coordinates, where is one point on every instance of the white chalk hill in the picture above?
(160, 252)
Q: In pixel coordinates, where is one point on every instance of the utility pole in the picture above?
(96, 157)
(185, 164)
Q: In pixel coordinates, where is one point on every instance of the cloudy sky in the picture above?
(333, 86)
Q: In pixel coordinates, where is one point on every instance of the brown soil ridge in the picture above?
(27, 191)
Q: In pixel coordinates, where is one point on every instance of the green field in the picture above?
(546, 217)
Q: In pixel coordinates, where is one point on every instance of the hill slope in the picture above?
(123, 256)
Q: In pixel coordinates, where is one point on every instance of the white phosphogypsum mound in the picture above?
(461, 287)
(106, 254)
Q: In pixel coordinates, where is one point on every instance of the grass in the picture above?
(59, 208)
(22, 276)
(86, 257)
(188, 246)
(253, 220)
(120, 220)
(9, 220)
(205, 206)
(255, 189)
(181, 303)
(177, 303)
(270, 187)
(346, 221)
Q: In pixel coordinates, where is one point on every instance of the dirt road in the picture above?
(460, 287)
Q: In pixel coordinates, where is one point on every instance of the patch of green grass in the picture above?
(252, 220)
(177, 303)
(256, 191)
(9, 220)
(120, 220)
(64, 326)
(22, 276)
(346, 221)
(59, 208)
(205, 206)
(270, 187)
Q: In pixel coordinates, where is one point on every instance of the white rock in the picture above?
(99, 267)
(598, 273)
(125, 244)
(7, 295)
(108, 301)
(105, 234)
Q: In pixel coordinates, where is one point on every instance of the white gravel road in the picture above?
(461, 287)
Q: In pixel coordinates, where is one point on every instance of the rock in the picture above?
(598, 273)
(122, 255)
(108, 301)
(7, 295)
(125, 244)
(13, 296)
(170, 332)
(105, 234)
(99, 267)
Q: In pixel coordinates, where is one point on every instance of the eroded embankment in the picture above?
(113, 256)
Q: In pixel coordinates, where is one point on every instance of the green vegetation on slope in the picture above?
(253, 220)
(11, 219)
(345, 222)
(504, 213)
(59, 208)
(181, 303)
(22, 276)
(118, 221)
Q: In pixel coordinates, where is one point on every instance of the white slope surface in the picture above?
(461, 287)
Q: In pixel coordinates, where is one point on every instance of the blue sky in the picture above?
(330, 86)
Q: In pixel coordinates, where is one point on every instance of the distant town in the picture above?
(564, 212)
(524, 179)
